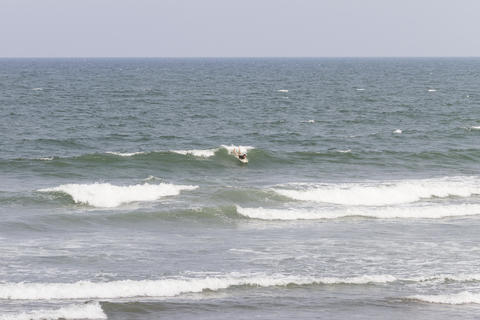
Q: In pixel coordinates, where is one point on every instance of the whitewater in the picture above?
(121, 197)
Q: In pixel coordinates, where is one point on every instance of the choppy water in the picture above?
(120, 198)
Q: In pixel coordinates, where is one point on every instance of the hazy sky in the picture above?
(228, 28)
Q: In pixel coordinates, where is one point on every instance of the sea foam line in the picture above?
(165, 287)
(90, 310)
(197, 152)
(414, 212)
(125, 154)
(243, 149)
(383, 192)
(106, 195)
(464, 297)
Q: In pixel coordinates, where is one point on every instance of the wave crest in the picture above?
(464, 297)
(164, 287)
(383, 193)
(90, 310)
(106, 195)
(418, 212)
(197, 152)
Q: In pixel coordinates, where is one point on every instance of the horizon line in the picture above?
(229, 57)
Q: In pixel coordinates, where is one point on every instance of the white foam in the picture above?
(125, 154)
(282, 90)
(432, 90)
(457, 298)
(383, 193)
(345, 151)
(243, 149)
(164, 287)
(360, 89)
(107, 196)
(37, 89)
(283, 214)
(151, 178)
(310, 121)
(397, 131)
(46, 158)
(411, 212)
(447, 278)
(90, 310)
(197, 153)
(475, 127)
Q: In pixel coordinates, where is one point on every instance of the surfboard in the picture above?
(242, 160)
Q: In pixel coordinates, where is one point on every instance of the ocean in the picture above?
(120, 197)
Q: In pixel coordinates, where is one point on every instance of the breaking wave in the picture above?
(125, 154)
(165, 287)
(382, 193)
(419, 212)
(90, 310)
(197, 153)
(106, 195)
(464, 297)
(243, 149)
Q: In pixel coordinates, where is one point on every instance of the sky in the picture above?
(241, 28)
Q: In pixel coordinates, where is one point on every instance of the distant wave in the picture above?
(382, 193)
(197, 152)
(90, 310)
(165, 287)
(243, 149)
(170, 287)
(107, 196)
(125, 154)
(415, 212)
(205, 153)
(464, 297)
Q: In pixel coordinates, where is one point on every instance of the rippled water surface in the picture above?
(120, 197)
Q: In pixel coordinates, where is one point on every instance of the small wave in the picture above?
(37, 89)
(464, 297)
(383, 193)
(345, 151)
(432, 90)
(397, 131)
(125, 154)
(282, 90)
(417, 212)
(151, 178)
(197, 153)
(309, 121)
(475, 127)
(360, 89)
(105, 195)
(166, 287)
(46, 158)
(448, 278)
(243, 149)
(90, 310)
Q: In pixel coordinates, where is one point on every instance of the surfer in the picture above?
(241, 156)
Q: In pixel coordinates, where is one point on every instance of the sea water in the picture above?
(120, 197)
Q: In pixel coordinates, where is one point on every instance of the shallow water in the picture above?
(120, 197)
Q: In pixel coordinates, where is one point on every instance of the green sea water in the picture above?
(120, 197)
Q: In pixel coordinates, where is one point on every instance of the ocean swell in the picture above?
(382, 193)
(418, 212)
(106, 195)
(165, 287)
(90, 310)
